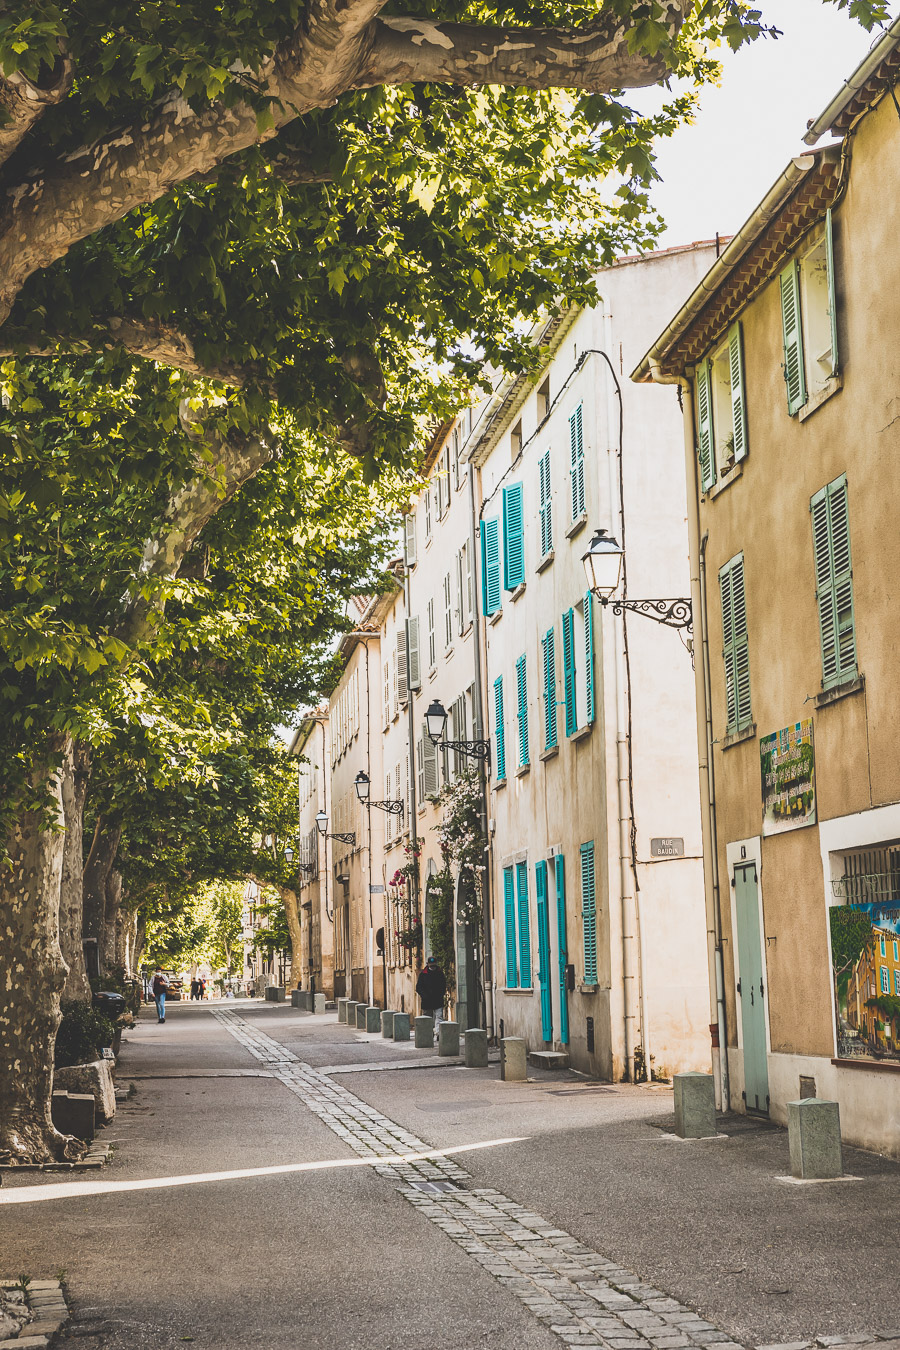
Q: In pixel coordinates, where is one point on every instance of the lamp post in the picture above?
(603, 568)
(349, 837)
(363, 788)
(435, 724)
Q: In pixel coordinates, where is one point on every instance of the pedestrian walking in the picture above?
(195, 988)
(201, 989)
(159, 986)
(431, 987)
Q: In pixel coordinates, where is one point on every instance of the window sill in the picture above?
(492, 618)
(521, 993)
(580, 734)
(726, 480)
(432, 672)
(589, 989)
(840, 691)
(546, 560)
(522, 770)
(550, 753)
(448, 652)
(736, 737)
(879, 1065)
(834, 385)
(499, 783)
(577, 526)
(520, 590)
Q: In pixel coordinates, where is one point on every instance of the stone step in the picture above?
(548, 1059)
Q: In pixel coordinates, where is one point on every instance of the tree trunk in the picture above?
(112, 915)
(140, 937)
(96, 874)
(33, 971)
(292, 910)
(75, 777)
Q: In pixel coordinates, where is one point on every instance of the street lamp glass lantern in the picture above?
(603, 564)
(289, 855)
(436, 721)
(362, 785)
(322, 822)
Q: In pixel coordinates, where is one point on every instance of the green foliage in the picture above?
(83, 1033)
(274, 936)
(439, 908)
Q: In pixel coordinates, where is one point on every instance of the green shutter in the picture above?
(589, 656)
(512, 972)
(589, 913)
(834, 583)
(543, 922)
(513, 537)
(832, 298)
(568, 631)
(524, 926)
(548, 644)
(735, 645)
(490, 566)
(546, 521)
(576, 445)
(559, 868)
(498, 727)
(705, 426)
(522, 697)
(794, 368)
(738, 395)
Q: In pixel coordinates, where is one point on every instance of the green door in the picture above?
(751, 988)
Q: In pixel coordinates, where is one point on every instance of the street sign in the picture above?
(376, 890)
(667, 848)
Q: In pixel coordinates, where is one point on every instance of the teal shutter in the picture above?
(738, 395)
(576, 445)
(543, 921)
(832, 297)
(546, 520)
(524, 926)
(548, 645)
(490, 566)
(522, 697)
(705, 427)
(794, 368)
(499, 736)
(513, 537)
(512, 971)
(834, 583)
(589, 913)
(568, 631)
(562, 946)
(735, 645)
(589, 656)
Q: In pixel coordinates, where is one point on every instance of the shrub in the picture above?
(83, 1032)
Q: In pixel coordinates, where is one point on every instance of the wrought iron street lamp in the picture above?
(436, 723)
(322, 827)
(603, 567)
(364, 787)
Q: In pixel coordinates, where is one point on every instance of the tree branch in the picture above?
(22, 103)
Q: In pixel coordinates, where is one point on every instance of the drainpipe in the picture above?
(704, 740)
(487, 985)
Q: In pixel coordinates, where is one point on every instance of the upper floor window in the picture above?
(735, 645)
(513, 537)
(576, 457)
(809, 319)
(578, 665)
(834, 583)
(721, 409)
(545, 511)
(490, 566)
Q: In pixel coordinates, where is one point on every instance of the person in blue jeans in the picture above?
(159, 986)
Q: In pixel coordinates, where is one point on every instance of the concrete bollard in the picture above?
(814, 1136)
(274, 994)
(695, 1105)
(513, 1060)
(373, 1018)
(424, 1033)
(318, 1003)
(295, 998)
(351, 1012)
(387, 1024)
(401, 1026)
(476, 1048)
(342, 1009)
(448, 1038)
(361, 1016)
(74, 1113)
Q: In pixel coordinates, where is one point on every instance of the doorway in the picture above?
(751, 988)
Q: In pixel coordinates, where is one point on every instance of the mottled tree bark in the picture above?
(96, 878)
(111, 942)
(33, 971)
(75, 778)
(292, 910)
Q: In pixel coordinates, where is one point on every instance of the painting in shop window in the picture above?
(864, 919)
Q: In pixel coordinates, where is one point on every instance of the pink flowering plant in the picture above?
(462, 839)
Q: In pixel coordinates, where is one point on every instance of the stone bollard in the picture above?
(448, 1038)
(513, 1060)
(74, 1113)
(401, 1026)
(274, 994)
(814, 1135)
(351, 1012)
(476, 1048)
(424, 1033)
(342, 1009)
(695, 1105)
(296, 995)
(318, 1003)
(361, 1016)
(387, 1024)
(373, 1018)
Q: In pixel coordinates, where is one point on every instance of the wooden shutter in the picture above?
(460, 619)
(490, 566)
(738, 395)
(402, 686)
(389, 819)
(568, 632)
(832, 296)
(414, 663)
(548, 645)
(429, 613)
(428, 512)
(387, 694)
(448, 612)
(543, 918)
(420, 766)
(509, 912)
(589, 656)
(410, 544)
(513, 537)
(429, 766)
(794, 368)
(576, 447)
(705, 427)
(468, 591)
(499, 735)
(546, 519)
(735, 646)
(559, 867)
(834, 583)
(589, 913)
(524, 925)
(522, 695)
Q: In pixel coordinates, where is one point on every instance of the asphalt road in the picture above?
(334, 1256)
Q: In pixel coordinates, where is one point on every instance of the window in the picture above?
(458, 732)
(524, 925)
(834, 583)
(578, 663)
(589, 912)
(387, 693)
(568, 632)
(896, 954)
(722, 409)
(456, 442)
(522, 711)
(444, 482)
(448, 613)
(490, 566)
(388, 796)
(809, 319)
(509, 923)
(545, 509)
(413, 671)
(576, 449)
(543, 401)
(513, 537)
(499, 734)
(515, 442)
(885, 982)
(897, 982)
(428, 513)
(429, 615)
(735, 647)
(427, 757)
(548, 643)
(464, 599)
(400, 648)
(410, 540)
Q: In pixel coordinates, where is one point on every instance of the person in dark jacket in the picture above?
(431, 987)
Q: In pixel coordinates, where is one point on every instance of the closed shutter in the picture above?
(522, 695)
(414, 663)
(490, 566)
(576, 448)
(589, 656)
(794, 369)
(498, 727)
(428, 512)
(735, 646)
(468, 588)
(589, 913)
(559, 868)
(834, 583)
(411, 540)
(513, 537)
(460, 619)
(548, 644)
(524, 925)
(387, 694)
(738, 395)
(402, 687)
(420, 766)
(832, 298)
(448, 612)
(568, 631)
(389, 819)
(705, 427)
(429, 766)
(543, 918)
(509, 914)
(429, 616)
(546, 518)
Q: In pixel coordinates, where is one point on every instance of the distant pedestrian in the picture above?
(159, 986)
(195, 989)
(431, 987)
(201, 989)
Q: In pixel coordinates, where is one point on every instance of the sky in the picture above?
(717, 170)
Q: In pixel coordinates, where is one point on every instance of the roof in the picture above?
(868, 84)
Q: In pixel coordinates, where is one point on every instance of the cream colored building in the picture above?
(787, 361)
(314, 854)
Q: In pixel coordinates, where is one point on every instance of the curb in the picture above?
(96, 1156)
(47, 1301)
